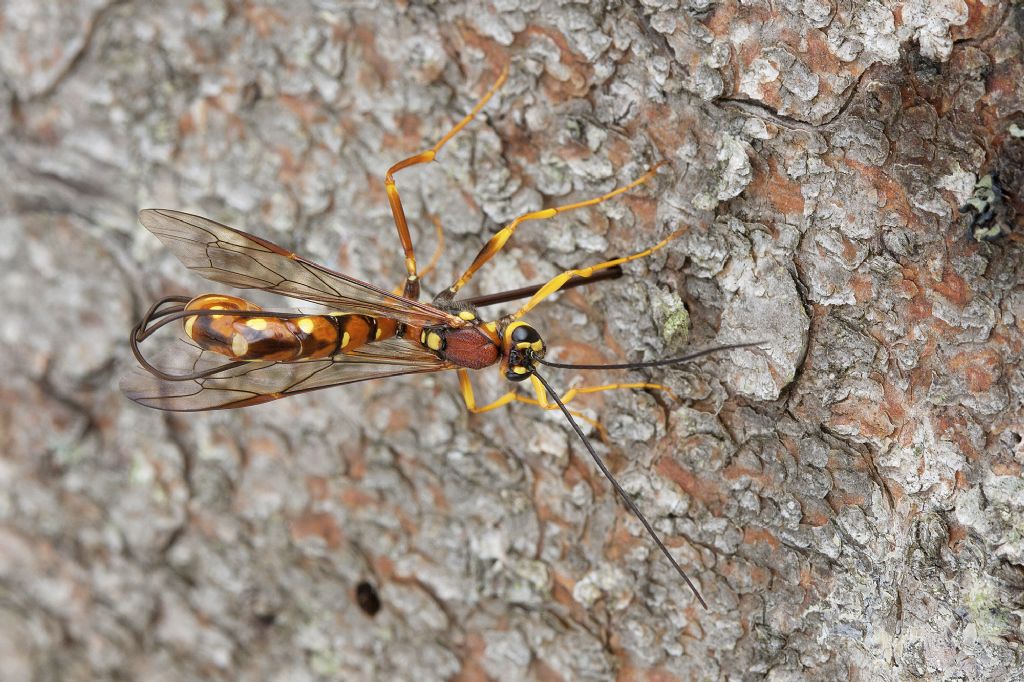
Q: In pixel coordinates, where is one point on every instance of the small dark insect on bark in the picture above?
(997, 203)
(367, 598)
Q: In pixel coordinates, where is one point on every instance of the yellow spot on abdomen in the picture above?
(239, 346)
(189, 323)
(306, 325)
(434, 341)
(378, 333)
(216, 307)
(345, 339)
(466, 315)
(257, 323)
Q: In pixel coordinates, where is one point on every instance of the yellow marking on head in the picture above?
(466, 315)
(537, 346)
(189, 323)
(306, 325)
(257, 323)
(216, 307)
(345, 338)
(519, 369)
(239, 346)
(522, 344)
(434, 341)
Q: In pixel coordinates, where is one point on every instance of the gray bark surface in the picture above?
(849, 501)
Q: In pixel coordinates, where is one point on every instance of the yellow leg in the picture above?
(542, 398)
(495, 243)
(583, 390)
(412, 284)
(558, 281)
(510, 397)
(470, 400)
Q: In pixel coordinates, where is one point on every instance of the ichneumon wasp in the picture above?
(236, 354)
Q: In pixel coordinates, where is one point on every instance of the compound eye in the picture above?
(525, 333)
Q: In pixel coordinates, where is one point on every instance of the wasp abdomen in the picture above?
(276, 337)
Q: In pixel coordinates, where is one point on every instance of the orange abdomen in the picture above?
(276, 337)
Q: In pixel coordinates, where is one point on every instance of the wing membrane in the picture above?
(251, 383)
(223, 254)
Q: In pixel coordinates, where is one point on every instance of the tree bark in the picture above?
(848, 498)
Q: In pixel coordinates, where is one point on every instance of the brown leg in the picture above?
(434, 258)
(412, 282)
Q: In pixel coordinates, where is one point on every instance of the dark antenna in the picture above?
(654, 363)
(615, 484)
(525, 292)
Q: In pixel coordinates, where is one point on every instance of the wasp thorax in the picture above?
(523, 346)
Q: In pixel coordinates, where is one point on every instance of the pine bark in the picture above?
(849, 499)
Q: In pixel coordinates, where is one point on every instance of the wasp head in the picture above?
(523, 346)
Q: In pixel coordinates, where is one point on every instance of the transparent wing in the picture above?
(223, 254)
(251, 383)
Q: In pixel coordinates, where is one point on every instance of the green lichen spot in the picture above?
(673, 320)
(988, 615)
(676, 328)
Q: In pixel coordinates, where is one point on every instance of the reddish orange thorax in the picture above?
(275, 337)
